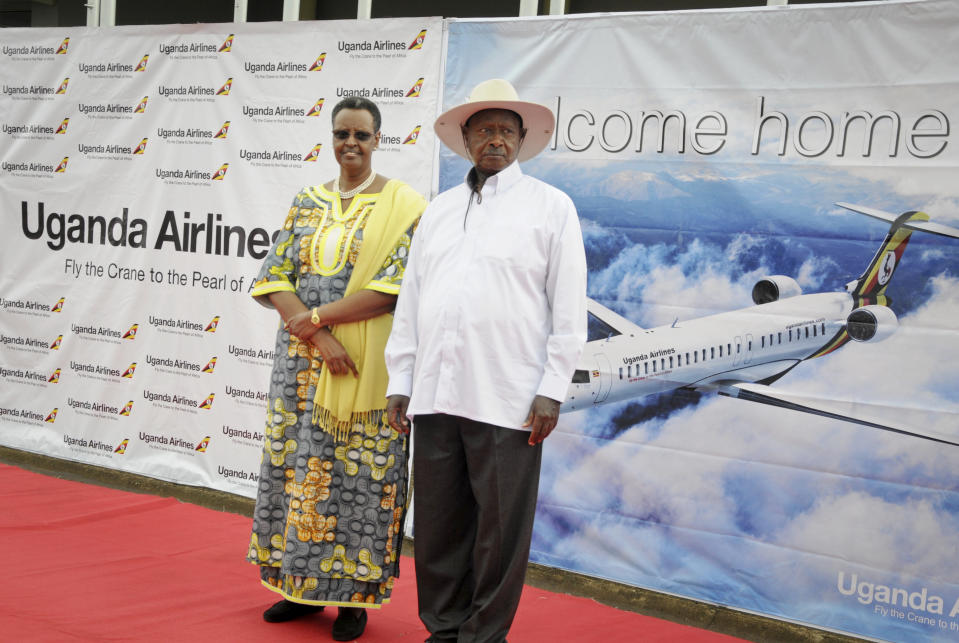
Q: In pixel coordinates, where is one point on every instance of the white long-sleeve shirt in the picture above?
(492, 311)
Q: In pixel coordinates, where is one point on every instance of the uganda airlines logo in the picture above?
(122, 447)
(62, 49)
(63, 165)
(315, 110)
(204, 443)
(210, 366)
(62, 89)
(141, 147)
(411, 139)
(221, 134)
(63, 126)
(227, 44)
(58, 307)
(207, 404)
(227, 86)
(55, 377)
(55, 346)
(132, 333)
(418, 41)
(318, 63)
(130, 370)
(142, 105)
(142, 65)
(313, 154)
(415, 89)
(221, 173)
(127, 409)
(211, 327)
(53, 416)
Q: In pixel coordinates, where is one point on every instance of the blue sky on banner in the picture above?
(784, 513)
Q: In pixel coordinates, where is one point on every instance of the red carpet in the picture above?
(97, 564)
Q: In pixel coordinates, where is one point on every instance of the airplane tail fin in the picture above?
(870, 288)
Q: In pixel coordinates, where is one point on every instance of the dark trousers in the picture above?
(475, 496)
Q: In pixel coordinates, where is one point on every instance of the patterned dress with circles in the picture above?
(327, 525)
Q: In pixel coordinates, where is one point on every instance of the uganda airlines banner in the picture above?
(706, 152)
(145, 171)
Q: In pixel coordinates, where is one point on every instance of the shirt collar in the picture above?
(502, 180)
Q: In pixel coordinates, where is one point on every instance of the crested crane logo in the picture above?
(63, 165)
(211, 327)
(221, 173)
(53, 416)
(411, 139)
(141, 147)
(142, 65)
(58, 307)
(221, 133)
(207, 404)
(317, 107)
(227, 44)
(418, 41)
(210, 366)
(63, 126)
(132, 333)
(130, 370)
(55, 346)
(62, 49)
(227, 86)
(415, 89)
(203, 444)
(127, 409)
(142, 105)
(122, 447)
(318, 63)
(64, 85)
(55, 377)
(313, 154)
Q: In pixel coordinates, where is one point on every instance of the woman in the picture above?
(327, 526)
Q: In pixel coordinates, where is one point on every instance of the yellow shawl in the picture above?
(342, 401)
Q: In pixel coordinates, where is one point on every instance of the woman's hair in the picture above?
(358, 102)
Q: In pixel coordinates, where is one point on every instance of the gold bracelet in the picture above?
(315, 318)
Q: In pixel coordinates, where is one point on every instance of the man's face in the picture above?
(493, 138)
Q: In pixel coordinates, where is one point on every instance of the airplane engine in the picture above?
(871, 323)
(775, 287)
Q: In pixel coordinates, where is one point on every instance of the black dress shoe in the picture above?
(348, 627)
(288, 610)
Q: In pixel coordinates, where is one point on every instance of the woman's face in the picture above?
(354, 140)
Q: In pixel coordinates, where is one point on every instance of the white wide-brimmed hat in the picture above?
(497, 93)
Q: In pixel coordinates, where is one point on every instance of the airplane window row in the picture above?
(693, 357)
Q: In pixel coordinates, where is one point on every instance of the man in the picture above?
(488, 328)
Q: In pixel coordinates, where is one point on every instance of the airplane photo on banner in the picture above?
(742, 352)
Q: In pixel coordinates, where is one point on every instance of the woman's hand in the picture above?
(301, 325)
(334, 355)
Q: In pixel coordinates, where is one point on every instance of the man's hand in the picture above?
(334, 355)
(542, 417)
(396, 406)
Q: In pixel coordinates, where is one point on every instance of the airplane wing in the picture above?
(836, 409)
(608, 317)
(888, 217)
